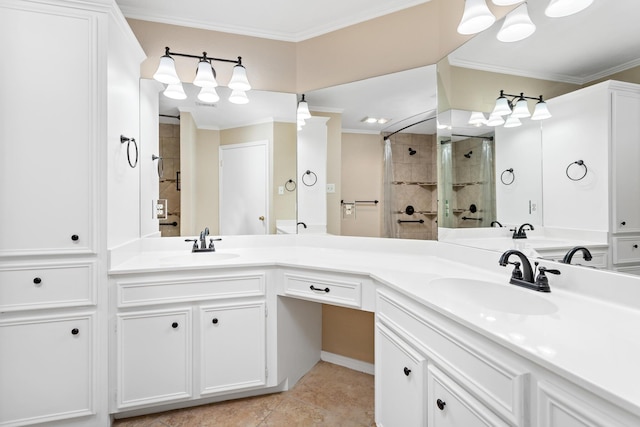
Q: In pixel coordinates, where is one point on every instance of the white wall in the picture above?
(312, 156)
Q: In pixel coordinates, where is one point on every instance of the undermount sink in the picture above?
(197, 258)
(493, 296)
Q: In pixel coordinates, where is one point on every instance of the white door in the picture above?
(244, 188)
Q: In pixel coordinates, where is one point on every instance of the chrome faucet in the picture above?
(203, 242)
(521, 233)
(526, 277)
(203, 237)
(586, 255)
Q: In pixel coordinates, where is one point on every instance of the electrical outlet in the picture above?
(348, 209)
(331, 188)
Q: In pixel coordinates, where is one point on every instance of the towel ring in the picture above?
(579, 163)
(513, 176)
(290, 185)
(124, 139)
(160, 164)
(309, 173)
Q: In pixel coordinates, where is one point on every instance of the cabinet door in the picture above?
(625, 129)
(451, 406)
(47, 165)
(46, 369)
(400, 384)
(233, 352)
(154, 357)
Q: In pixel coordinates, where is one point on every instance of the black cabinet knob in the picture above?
(635, 246)
(623, 223)
(75, 331)
(214, 321)
(441, 404)
(174, 325)
(75, 237)
(407, 371)
(37, 280)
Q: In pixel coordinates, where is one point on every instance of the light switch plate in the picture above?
(331, 188)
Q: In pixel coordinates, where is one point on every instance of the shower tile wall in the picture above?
(170, 153)
(409, 170)
(467, 171)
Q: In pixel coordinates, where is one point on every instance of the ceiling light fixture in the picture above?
(205, 77)
(561, 8)
(517, 25)
(476, 17)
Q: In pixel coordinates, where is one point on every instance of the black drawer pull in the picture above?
(75, 331)
(75, 237)
(313, 288)
(407, 371)
(37, 280)
(441, 404)
(174, 325)
(214, 321)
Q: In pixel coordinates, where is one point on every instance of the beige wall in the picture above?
(348, 332)
(362, 167)
(284, 169)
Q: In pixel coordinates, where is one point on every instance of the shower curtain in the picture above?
(390, 223)
(487, 177)
(445, 186)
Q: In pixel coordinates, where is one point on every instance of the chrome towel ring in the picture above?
(504, 179)
(124, 139)
(308, 174)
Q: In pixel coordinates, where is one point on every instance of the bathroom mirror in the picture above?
(563, 55)
(226, 166)
(356, 117)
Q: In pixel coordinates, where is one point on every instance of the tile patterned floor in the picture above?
(328, 395)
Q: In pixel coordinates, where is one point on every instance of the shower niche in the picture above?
(467, 174)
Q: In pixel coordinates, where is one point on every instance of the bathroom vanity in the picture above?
(455, 343)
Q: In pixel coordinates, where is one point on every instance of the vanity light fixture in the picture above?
(477, 119)
(517, 108)
(561, 8)
(517, 25)
(302, 112)
(512, 122)
(495, 120)
(205, 78)
(476, 17)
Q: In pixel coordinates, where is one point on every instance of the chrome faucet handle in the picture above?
(211, 245)
(195, 243)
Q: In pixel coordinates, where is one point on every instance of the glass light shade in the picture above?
(239, 79)
(175, 92)
(505, 2)
(541, 111)
(521, 109)
(238, 97)
(502, 107)
(476, 17)
(495, 120)
(301, 123)
(303, 110)
(477, 119)
(204, 75)
(517, 25)
(208, 95)
(166, 72)
(512, 122)
(560, 8)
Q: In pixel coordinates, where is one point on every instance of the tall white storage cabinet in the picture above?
(57, 79)
(598, 125)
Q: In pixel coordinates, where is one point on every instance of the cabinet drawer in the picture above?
(500, 386)
(149, 290)
(328, 290)
(626, 249)
(39, 287)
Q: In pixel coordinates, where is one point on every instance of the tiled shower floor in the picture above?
(329, 395)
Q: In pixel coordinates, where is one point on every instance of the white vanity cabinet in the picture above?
(185, 335)
(401, 384)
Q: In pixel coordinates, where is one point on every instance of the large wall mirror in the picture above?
(563, 55)
(226, 166)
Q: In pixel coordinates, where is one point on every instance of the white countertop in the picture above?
(585, 330)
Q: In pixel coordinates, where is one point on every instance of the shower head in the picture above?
(411, 151)
(468, 155)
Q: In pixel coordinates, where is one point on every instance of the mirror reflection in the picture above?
(226, 166)
(566, 61)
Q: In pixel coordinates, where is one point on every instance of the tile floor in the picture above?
(328, 395)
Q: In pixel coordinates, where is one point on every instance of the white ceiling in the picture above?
(594, 43)
(286, 20)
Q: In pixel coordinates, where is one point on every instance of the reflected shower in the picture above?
(412, 151)
(468, 155)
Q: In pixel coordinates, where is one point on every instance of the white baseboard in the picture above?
(347, 362)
